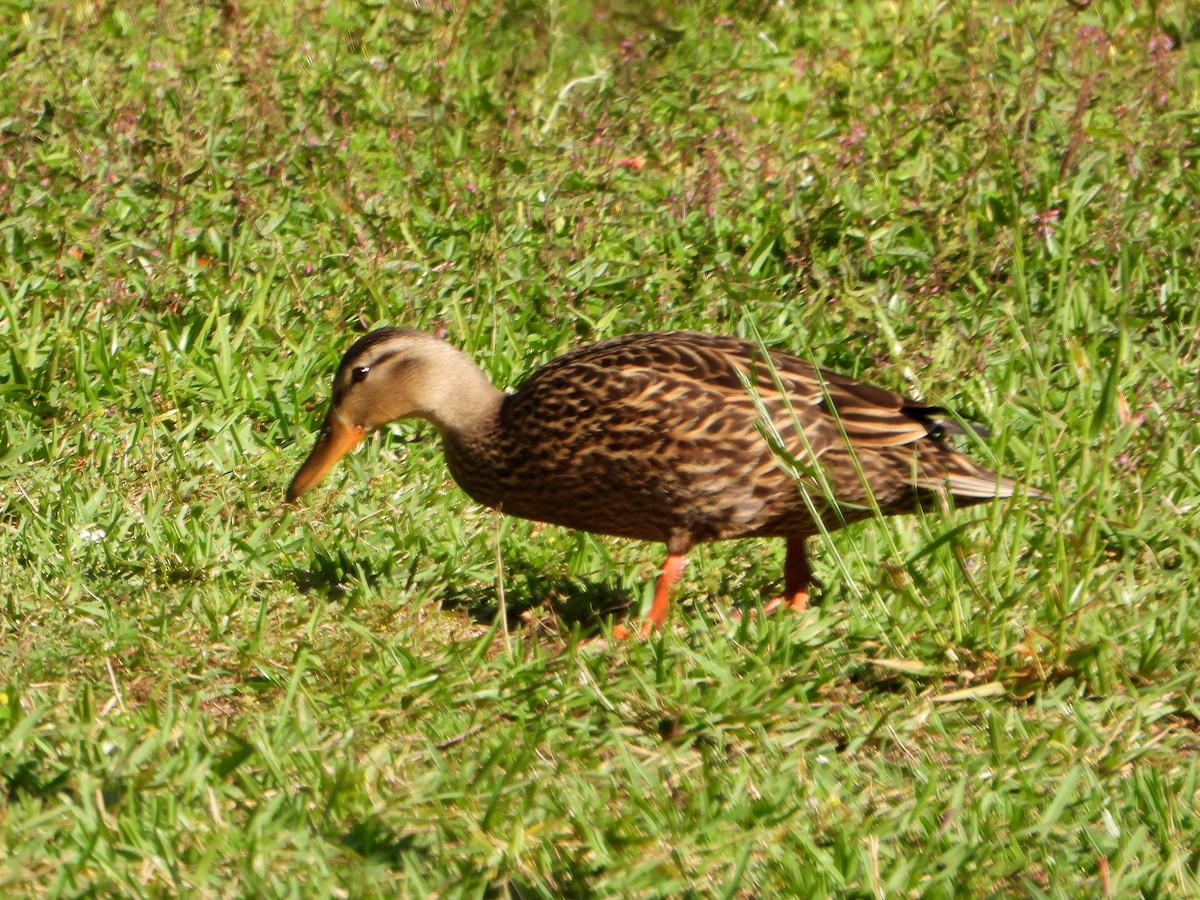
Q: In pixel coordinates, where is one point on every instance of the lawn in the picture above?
(206, 691)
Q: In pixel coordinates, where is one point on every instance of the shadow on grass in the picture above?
(531, 597)
(536, 600)
(372, 839)
(335, 574)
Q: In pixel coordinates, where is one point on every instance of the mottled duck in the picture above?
(674, 437)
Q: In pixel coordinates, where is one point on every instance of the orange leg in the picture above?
(671, 571)
(797, 577)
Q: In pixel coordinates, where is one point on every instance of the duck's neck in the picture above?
(479, 456)
(467, 404)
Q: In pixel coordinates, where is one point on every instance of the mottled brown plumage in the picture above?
(674, 437)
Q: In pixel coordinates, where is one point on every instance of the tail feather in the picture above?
(978, 486)
(965, 480)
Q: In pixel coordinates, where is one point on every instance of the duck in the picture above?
(674, 437)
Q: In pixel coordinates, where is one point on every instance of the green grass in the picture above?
(205, 691)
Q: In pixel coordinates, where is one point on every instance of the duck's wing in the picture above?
(712, 396)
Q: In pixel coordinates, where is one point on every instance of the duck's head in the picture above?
(390, 374)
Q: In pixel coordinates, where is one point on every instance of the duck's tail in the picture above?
(969, 483)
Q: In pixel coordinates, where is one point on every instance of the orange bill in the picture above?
(335, 441)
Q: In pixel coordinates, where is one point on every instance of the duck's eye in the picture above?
(359, 374)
